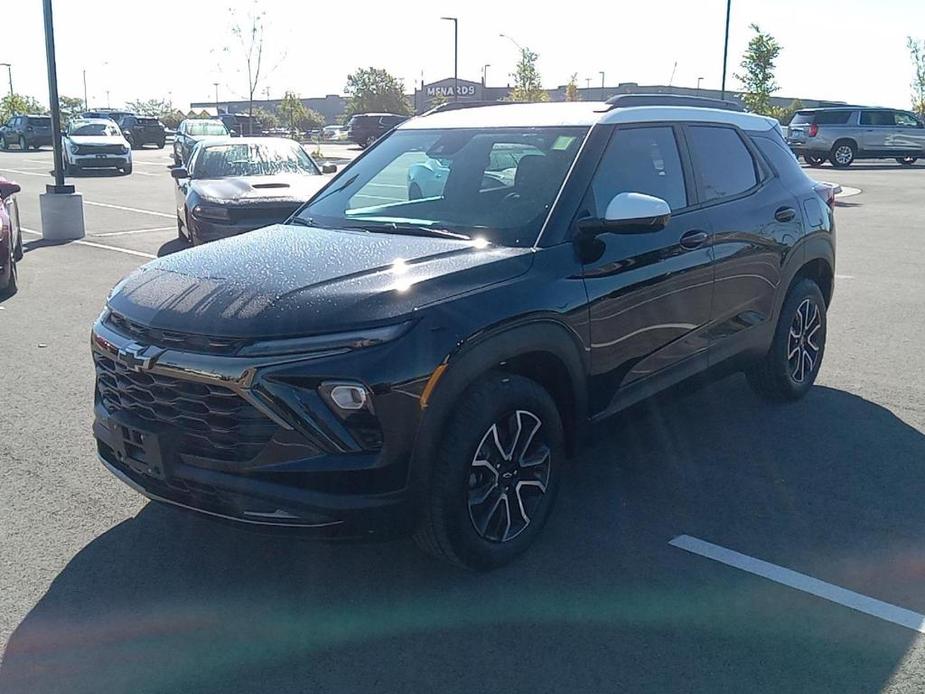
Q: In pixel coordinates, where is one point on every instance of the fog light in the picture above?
(349, 396)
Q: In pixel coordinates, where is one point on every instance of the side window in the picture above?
(639, 160)
(723, 162)
(906, 120)
(877, 118)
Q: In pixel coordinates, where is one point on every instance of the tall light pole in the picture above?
(726, 48)
(455, 55)
(216, 97)
(9, 70)
(519, 47)
(588, 83)
(485, 74)
(699, 80)
(602, 85)
(86, 105)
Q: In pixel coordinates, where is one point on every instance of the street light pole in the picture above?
(59, 186)
(588, 83)
(9, 70)
(485, 74)
(216, 97)
(455, 21)
(726, 48)
(602, 85)
(86, 105)
(699, 80)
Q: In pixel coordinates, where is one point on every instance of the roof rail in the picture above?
(458, 105)
(629, 100)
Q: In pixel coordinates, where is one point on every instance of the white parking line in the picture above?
(27, 173)
(129, 209)
(844, 277)
(133, 231)
(127, 251)
(807, 584)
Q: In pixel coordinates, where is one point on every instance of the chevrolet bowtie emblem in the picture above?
(139, 357)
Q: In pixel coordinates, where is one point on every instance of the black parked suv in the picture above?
(385, 364)
(142, 130)
(27, 132)
(366, 128)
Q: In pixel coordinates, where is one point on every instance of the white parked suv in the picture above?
(95, 143)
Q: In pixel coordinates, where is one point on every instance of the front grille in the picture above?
(100, 149)
(205, 420)
(170, 339)
(262, 215)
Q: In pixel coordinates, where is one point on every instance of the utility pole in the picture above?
(455, 21)
(53, 102)
(588, 83)
(602, 85)
(86, 105)
(699, 80)
(216, 97)
(108, 103)
(726, 48)
(485, 74)
(9, 70)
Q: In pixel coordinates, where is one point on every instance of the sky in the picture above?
(846, 50)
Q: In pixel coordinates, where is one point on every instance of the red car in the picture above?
(10, 237)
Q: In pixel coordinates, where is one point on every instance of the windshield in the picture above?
(40, 122)
(252, 159)
(497, 183)
(206, 128)
(104, 129)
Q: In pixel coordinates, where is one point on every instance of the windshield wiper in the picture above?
(339, 188)
(415, 230)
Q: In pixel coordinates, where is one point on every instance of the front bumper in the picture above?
(317, 474)
(100, 161)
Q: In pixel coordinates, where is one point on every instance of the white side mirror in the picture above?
(637, 209)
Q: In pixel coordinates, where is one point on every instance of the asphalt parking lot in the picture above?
(103, 592)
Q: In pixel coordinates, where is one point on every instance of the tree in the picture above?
(248, 34)
(571, 89)
(266, 118)
(173, 119)
(150, 107)
(14, 104)
(758, 71)
(70, 107)
(312, 120)
(292, 111)
(374, 89)
(785, 113)
(528, 85)
(917, 53)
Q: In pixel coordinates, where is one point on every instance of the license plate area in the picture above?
(140, 451)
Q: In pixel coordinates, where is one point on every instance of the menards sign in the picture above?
(464, 90)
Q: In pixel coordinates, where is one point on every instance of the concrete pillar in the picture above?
(62, 216)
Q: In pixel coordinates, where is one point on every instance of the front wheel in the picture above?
(792, 363)
(12, 283)
(907, 161)
(495, 475)
(814, 160)
(126, 169)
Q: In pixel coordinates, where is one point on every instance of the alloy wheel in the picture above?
(802, 348)
(843, 155)
(508, 476)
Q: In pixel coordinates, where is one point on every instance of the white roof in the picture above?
(579, 113)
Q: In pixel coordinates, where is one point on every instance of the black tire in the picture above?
(497, 402)
(12, 284)
(23, 145)
(19, 253)
(414, 192)
(127, 170)
(160, 145)
(180, 234)
(814, 160)
(907, 161)
(4, 145)
(777, 377)
(843, 154)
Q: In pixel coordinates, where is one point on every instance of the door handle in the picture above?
(694, 239)
(785, 214)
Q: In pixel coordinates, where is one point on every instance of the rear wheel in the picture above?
(814, 160)
(12, 283)
(22, 144)
(160, 145)
(843, 154)
(907, 161)
(126, 169)
(790, 367)
(4, 145)
(495, 475)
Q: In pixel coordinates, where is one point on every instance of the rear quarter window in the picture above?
(39, 122)
(781, 159)
(724, 164)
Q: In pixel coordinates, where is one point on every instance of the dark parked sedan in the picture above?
(233, 186)
(191, 132)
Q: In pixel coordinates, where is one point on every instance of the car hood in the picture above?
(284, 281)
(256, 188)
(97, 139)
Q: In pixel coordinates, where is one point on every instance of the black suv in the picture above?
(142, 130)
(366, 128)
(28, 132)
(384, 364)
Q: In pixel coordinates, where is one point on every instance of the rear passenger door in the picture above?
(909, 133)
(876, 130)
(649, 293)
(756, 220)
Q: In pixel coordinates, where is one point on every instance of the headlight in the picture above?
(358, 339)
(124, 150)
(211, 212)
(75, 149)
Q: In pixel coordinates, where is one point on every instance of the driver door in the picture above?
(650, 293)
